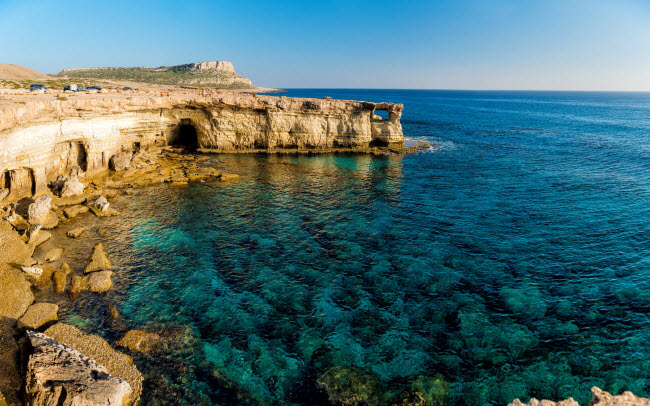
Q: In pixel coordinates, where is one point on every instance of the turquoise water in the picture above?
(512, 259)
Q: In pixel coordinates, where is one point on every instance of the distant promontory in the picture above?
(210, 74)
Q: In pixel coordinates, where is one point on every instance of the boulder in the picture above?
(57, 374)
(121, 161)
(98, 260)
(53, 254)
(72, 187)
(17, 221)
(15, 292)
(117, 364)
(101, 203)
(425, 391)
(74, 211)
(60, 280)
(38, 315)
(76, 232)
(39, 211)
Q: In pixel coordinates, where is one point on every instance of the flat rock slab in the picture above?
(98, 260)
(76, 232)
(104, 213)
(38, 315)
(58, 374)
(74, 211)
(228, 176)
(116, 363)
(53, 254)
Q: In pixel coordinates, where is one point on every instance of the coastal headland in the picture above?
(64, 154)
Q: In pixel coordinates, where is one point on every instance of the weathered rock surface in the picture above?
(38, 315)
(39, 211)
(76, 232)
(116, 363)
(53, 254)
(10, 379)
(40, 275)
(121, 161)
(98, 260)
(12, 249)
(60, 375)
(161, 341)
(98, 282)
(15, 292)
(74, 211)
(228, 176)
(599, 398)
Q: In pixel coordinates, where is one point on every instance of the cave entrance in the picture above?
(185, 136)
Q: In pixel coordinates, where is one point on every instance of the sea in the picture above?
(509, 260)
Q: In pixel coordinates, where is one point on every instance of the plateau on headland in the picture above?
(210, 74)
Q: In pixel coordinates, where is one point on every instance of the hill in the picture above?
(17, 72)
(210, 74)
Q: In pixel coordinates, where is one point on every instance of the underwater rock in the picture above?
(74, 211)
(76, 287)
(15, 292)
(60, 375)
(38, 315)
(98, 260)
(164, 340)
(227, 176)
(116, 363)
(53, 254)
(197, 174)
(75, 232)
(349, 386)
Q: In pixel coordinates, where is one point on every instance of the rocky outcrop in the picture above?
(120, 162)
(116, 363)
(15, 292)
(599, 398)
(43, 139)
(60, 375)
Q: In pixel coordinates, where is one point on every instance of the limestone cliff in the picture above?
(44, 138)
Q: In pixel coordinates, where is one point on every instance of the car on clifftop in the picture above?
(37, 87)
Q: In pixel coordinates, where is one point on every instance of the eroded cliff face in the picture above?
(42, 139)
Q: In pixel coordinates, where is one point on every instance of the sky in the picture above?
(422, 44)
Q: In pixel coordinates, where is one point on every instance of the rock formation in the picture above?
(116, 363)
(60, 375)
(38, 315)
(98, 260)
(599, 398)
(44, 139)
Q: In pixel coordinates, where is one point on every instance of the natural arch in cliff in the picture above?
(185, 136)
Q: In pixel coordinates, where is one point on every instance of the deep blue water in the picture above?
(512, 258)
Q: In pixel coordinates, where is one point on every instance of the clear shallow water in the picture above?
(512, 258)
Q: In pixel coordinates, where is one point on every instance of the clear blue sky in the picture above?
(459, 44)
